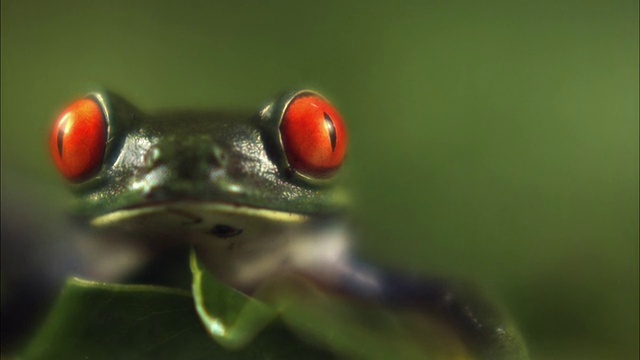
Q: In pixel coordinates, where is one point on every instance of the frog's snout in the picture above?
(190, 159)
(180, 168)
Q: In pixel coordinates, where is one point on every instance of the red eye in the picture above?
(78, 140)
(314, 136)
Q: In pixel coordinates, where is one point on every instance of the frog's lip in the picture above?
(193, 210)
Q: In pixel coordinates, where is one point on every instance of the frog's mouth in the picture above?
(197, 221)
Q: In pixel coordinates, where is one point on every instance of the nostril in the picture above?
(219, 156)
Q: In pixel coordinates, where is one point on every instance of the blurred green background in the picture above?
(496, 141)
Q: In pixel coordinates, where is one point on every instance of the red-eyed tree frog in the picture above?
(258, 198)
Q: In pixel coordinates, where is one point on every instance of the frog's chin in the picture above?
(196, 222)
(241, 245)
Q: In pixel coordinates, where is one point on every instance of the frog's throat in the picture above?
(242, 246)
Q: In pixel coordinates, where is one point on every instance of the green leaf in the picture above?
(290, 318)
(232, 318)
(93, 320)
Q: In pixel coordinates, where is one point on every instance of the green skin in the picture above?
(225, 157)
(218, 180)
(221, 182)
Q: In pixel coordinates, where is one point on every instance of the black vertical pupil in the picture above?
(331, 128)
(61, 127)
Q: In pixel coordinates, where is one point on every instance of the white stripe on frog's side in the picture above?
(197, 208)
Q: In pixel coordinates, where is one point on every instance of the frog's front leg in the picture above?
(323, 254)
(481, 325)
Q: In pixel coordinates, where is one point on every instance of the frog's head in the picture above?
(211, 173)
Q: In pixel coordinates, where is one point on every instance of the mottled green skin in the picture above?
(207, 156)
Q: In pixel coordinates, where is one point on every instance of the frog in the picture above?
(253, 195)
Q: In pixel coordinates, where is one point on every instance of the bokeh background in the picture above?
(496, 141)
